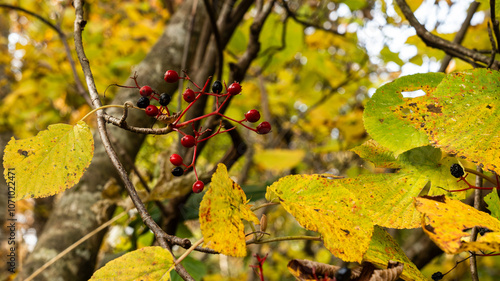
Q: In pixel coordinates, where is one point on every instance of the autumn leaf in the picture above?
(320, 204)
(384, 126)
(383, 249)
(51, 162)
(278, 159)
(460, 116)
(223, 207)
(447, 221)
(148, 263)
(493, 202)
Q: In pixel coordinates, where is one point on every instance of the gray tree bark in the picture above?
(72, 216)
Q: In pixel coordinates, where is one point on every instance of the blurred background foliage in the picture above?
(310, 81)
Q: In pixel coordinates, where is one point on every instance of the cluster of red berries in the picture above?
(190, 96)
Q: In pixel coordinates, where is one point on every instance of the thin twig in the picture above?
(141, 208)
(284, 238)
(459, 37)
(473, 236)
(218, 41)
(74, 245)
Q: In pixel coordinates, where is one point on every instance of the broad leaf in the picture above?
(448, 221)
(321, 204)
(51, 162)
(383, 249)
(149, 263)
(223, 207)
(384, 126)
(279, 159)
(493, 202)
(461, 116)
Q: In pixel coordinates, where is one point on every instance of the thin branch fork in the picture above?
(450, 48)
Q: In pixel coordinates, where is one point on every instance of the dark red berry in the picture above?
(177, 171)
(198, 186)
(152, 110)
(145, 91)
(165, 99)
(217, 87)
(234, 89)
(437, 276)
(143, 102)
(264, 128)
(457, 171)
(189, 95)
(176, 159)
(252, 115)
(188, 141)
(343, 274)
(171, 76)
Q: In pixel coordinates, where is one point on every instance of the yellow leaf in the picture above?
(149, 263)
(51, 162)
(279, 159)
(320, 204)
(446, 222)
(221, 211)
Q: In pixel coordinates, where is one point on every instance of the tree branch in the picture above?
(434, 41)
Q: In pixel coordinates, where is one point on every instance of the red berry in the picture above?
(152, 110)
(189, 95)
(252, 115)
(145, 91)
(198, 186)
(176, 159)
(188, 141)
(171, 76)
(264, 128)
(234, 89)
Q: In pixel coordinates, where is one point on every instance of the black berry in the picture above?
(343, 274)
(217, 87)
(437, 276)
(177, 171)
(457, 171)
(143, 102)
(165, 99)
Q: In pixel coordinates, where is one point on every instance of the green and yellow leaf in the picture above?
(384, 126)
(447, 222)
(493, 202)
(223, 207)
(279, 159)
(149, 263)
(51, 162)
(321, 204)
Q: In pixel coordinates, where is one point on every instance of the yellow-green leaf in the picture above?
(461, 116)
(51, 162)
(447, 221)
(493, 202)
(320, 204)
(383, 249)
(149, 263)
(377, 154)
(223, 207)
(279, 159)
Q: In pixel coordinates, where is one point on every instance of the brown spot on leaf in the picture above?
(430, 229)
(439, 198)
(488, 106)
(434, 109)
(381, 120)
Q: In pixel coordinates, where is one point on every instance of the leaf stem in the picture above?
(255, 208)
(106, 106)
(472, 171)
(284, 238)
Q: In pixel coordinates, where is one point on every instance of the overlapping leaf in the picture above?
(51, 162)
(447, 222)
(461, 117)
(493, 202)
(383, 249)
(149, 263)
(382, 124)
(223, 207)
(323, 205)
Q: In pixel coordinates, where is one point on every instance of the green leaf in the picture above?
(221, 211)
(461, 117)
(320, 204)
(377, 154)
(493, 203)
(383, 249)
(196, 268)
(384, 126)
(51, 162)
(149, 263)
